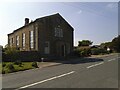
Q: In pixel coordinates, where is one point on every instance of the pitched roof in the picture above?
(41, 19)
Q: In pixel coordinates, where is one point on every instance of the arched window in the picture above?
(31, 39)
(58, 32)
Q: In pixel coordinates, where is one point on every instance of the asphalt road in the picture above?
(88, 73)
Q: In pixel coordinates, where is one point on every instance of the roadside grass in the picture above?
(22, 67)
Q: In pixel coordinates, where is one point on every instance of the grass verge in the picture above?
(5, 67)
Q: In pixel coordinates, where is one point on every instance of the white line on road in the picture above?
(95, 65)
(45, 80)
(111, 60)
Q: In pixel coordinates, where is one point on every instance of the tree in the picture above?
(84, 43)
(115, 44)
(105, 45)
(11, 52)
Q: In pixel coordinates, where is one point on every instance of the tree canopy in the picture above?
(105, 45)
(115, 44)
(84, 43)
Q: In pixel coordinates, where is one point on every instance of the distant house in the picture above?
(95, 46)
(49, 35)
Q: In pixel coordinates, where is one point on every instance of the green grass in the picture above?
(24, 66)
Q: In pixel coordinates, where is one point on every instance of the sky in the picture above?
(95, 21)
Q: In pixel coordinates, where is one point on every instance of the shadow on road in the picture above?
(82, 60)
(75, 60)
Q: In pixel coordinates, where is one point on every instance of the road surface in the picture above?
(88, 73)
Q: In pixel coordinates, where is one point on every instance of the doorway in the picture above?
(63, 50)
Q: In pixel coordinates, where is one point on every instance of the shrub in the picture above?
(76, 52)
(20, 65)
(34, 64)
(3, 64)
(85, 52)
(12, 53)
(97, 51)
(3, 71)
(81, 52)
(11, 67)
(18, 62)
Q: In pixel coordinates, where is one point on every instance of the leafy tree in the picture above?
(115, 45)
(105, 45)
(84, 43)
(11, 52)
(97, 51)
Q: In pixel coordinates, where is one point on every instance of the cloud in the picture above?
(111, 5)
(79, 12)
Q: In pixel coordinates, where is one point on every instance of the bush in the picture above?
(11, 67)
(18, 62)
(97, 51)
(81, 52)
(11, 53)
(3, 64)
(34, 64)
(76, 52)
(85, 52)
(20, 65)
(3, 71)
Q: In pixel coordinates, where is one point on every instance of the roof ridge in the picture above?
(47, 16)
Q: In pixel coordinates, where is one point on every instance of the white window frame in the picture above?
(31, 39)
(23, 40)
(17, 40)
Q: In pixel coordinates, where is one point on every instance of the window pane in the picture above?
(58, 32)
(23, 40)
(31, 39)
(17, 40)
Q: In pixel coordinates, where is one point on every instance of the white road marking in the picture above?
(95, 65)
(45, 80)
(101, 63)
(111, 60)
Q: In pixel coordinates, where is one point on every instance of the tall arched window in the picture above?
(23, 40)
(31, 39)
(17, 40)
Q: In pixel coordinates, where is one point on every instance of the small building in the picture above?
(50, 35)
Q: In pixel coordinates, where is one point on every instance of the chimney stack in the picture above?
(26, 21)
